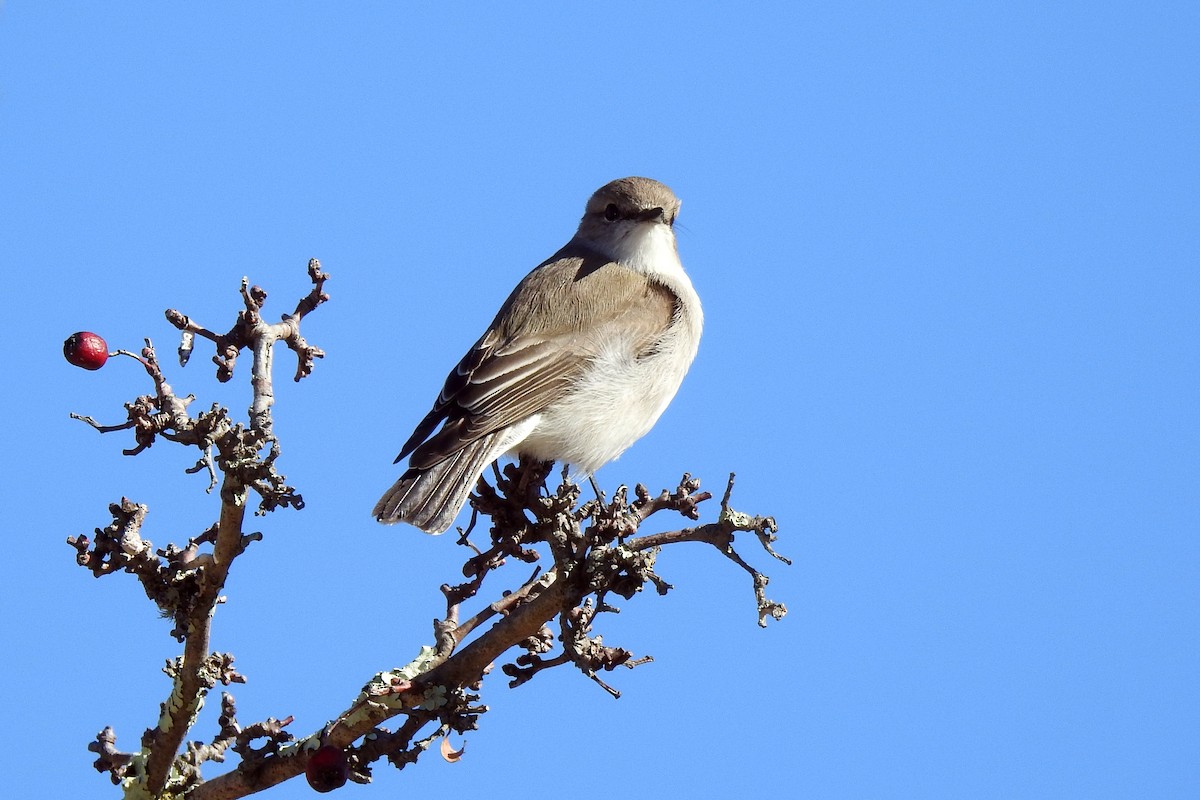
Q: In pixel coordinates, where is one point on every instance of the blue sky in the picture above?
(948, 255)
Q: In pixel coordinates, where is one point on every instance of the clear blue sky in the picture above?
(948, 254)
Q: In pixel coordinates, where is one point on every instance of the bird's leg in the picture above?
(596, 489)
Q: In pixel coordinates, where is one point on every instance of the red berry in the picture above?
(85, 349)
(327, 769)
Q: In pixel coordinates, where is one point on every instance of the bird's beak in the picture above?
(651, 215)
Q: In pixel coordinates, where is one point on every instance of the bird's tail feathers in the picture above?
(431, 498)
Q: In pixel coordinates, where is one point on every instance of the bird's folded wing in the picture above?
(521, 364)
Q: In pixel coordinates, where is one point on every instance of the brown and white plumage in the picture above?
(579, 363)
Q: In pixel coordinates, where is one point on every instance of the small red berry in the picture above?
(327, 769)
(85, 349)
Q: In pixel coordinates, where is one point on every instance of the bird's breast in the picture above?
(617, 399)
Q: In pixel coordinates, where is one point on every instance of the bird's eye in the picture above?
(611, 212)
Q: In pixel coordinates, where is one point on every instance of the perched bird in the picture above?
(579, 363)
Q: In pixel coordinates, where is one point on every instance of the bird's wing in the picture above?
(522, 364)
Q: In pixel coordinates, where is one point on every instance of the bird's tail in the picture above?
(431, 498)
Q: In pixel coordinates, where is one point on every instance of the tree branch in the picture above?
(590, 564)
(183, 581)
(586, 555)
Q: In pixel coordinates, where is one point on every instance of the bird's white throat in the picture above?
(648, 249)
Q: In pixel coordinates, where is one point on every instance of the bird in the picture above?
(578, 364)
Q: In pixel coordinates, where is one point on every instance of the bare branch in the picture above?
(185, 582)
(586, 557)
